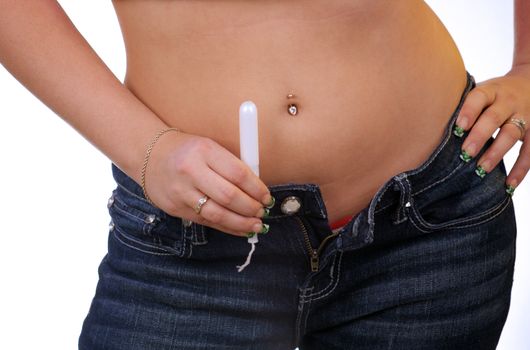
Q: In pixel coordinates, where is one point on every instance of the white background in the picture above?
(55, 186)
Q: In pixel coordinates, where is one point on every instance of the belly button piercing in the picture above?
(292, 108)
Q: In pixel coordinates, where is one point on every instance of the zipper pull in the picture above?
(314, 261)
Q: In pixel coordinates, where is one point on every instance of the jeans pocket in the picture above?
(137, 224)
(461, 200)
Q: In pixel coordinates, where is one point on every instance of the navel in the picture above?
(292, 107)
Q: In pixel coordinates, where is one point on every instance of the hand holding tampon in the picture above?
(249, 150)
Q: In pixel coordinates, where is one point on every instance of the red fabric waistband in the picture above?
(341, 222)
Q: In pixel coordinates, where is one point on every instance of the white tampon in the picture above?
(249, 151)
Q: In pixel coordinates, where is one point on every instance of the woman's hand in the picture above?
(487, 107)
(183, 167)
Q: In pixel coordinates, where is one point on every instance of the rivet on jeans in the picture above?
(110, 201)
(150, 218)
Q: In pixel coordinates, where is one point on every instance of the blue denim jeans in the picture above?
(428, 264)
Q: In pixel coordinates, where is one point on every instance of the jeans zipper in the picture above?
(314, 253)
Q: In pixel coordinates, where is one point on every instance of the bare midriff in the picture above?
(375, 83)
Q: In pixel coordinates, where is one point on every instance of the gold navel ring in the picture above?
(292, 108)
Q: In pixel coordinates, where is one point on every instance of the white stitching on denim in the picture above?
(306, 316)
(320, 204)
(384, 190)
(334, 281)
(114, 232)
(200, 237)
(182, 244)
(428, 186)
(133, 194)
(308, 187)
(371, 211)
(402, 196)
(337, 279)
(446, 139)
(451, 226)
(142, 216)
(118, 199)
(302, 308)
(441, 180)
(474, 217)
(185, 245)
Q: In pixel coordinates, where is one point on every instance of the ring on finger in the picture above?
(520, 123)
(200, 203)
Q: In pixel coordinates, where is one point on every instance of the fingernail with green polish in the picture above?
(271, 204)
(267, 212)
(510, 189)
(465, 156)
(264, 229)
(251, 234)
(458, 131)
(480, 171)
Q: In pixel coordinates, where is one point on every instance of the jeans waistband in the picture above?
(438, 164)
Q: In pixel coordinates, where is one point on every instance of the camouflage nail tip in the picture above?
(458, 131)
(480, 171)
(265, 229)
(465, 156)
(271, 204)
(510, 189)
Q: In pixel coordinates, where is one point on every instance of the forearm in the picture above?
(522, 32)
(41, 47)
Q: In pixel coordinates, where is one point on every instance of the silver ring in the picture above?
(200, 203)
(519, 123)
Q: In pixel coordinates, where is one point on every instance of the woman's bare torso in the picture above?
(375, 82)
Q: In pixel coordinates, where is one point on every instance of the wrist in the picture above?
(147, 157)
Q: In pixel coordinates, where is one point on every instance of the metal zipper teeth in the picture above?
(325, 240)
(314, 259)
(312, 251)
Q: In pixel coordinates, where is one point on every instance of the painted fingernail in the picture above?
(458, 131)
(266, 212)
(465, 154)
(510, 190)
(251, 234)
(480, 171)
(271, 203)
(460, 125)
(262, 212)
(264, 229)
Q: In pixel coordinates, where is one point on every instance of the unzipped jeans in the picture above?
(428, 264)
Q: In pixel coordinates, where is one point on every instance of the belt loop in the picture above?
(197, 235)
(403, 185)
(193, 232)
